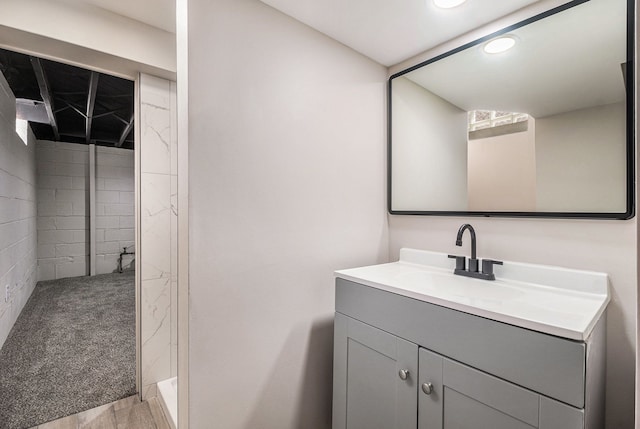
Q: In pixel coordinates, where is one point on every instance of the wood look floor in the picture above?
(128, 413)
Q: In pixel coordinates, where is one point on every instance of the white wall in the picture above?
(580, 160)
(17, 214)
(430, 143)
(78, 25)
(115, 199)
(502, 172)
(286, 185)
(63, 213)
(158, 248)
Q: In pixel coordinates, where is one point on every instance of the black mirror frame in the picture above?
(630, 126)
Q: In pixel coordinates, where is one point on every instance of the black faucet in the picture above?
(487, 264)
(473, 262)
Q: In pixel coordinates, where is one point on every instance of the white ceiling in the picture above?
(390, 31)
(566, 62)
(157, 13)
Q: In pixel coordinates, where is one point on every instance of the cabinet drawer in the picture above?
(511, 400)
(462, 411)
(549, 365)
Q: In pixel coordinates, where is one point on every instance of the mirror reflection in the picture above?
(531, 121)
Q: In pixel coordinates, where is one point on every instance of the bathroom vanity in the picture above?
(417, 347)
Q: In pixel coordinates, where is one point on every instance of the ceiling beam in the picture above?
(62, 109)
(124, 121)
(128, 95)
(74, 108)
(112, 112)
(125, 132)
(72, 134)
(67, 93)
(91, 103)
(46, 94)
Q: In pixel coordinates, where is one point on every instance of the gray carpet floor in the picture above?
(71, 349)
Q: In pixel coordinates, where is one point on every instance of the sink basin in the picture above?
(554, 300)
(435, 283)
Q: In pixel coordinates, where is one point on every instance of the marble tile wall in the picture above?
(158, 219)
(174, 231)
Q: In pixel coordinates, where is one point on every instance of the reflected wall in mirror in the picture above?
(544, 128)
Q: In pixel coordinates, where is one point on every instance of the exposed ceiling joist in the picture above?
(125, 132)
(75, 109)
(72, 134)
(66, 103)
(45, 93)
(111, 142)
(124, 121)
(91, 102)
(61, 109)
(112, 112)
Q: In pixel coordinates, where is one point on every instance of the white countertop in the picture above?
(557, 301)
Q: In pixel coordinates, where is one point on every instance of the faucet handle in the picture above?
(487, 267)
(461, 262)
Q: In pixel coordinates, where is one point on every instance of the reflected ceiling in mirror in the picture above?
(540, 129)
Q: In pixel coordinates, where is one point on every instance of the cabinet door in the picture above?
(375, 378)
(430, 390)
(459, 397)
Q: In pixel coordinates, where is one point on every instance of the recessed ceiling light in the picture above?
(499, 45)
(448, 4)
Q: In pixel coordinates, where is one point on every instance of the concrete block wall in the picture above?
(17, 214)
(115, 204)
(63, 212)
(63, 208)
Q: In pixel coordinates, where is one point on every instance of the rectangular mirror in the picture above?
(543, 129)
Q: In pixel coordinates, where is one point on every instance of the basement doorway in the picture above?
(68, 206)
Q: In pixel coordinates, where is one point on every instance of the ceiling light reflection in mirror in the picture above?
(499, 45)
(448, 4)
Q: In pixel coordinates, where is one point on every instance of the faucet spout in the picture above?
(472, 271)
(472, 231)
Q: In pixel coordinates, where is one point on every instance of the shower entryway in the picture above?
(101, 322)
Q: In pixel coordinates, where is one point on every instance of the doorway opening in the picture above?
(67, 202)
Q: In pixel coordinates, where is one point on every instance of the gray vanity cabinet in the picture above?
(372, 393)
(455, 396)
(391, 371)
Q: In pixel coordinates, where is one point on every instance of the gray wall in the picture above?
(579, 159)
(287, 184)
(429, 146)
(17, 214)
